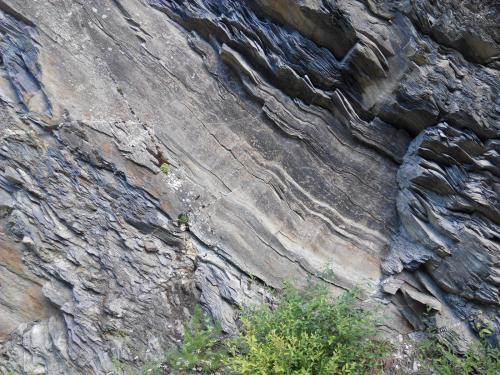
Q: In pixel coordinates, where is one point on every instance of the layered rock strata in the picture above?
(360, 136)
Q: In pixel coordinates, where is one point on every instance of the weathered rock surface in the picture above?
(362, 136)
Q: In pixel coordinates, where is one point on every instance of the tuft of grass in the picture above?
(183, 219)
(165, 168)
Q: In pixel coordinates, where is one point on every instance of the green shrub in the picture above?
(438, 357)
(201, 348)
(165, 168)
(308, 334)
(305, 334)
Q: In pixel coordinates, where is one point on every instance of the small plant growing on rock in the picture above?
(439, 357)
(165, 168)
(200, 350)
(183, 219)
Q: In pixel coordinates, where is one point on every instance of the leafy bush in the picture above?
(305, 334)
(201, 349)
(308, 334)
(438, 356)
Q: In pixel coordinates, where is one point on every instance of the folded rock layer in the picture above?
(357, 136)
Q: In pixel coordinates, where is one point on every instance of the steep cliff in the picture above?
(360, 136)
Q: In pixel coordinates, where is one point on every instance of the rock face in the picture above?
(362, 136)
